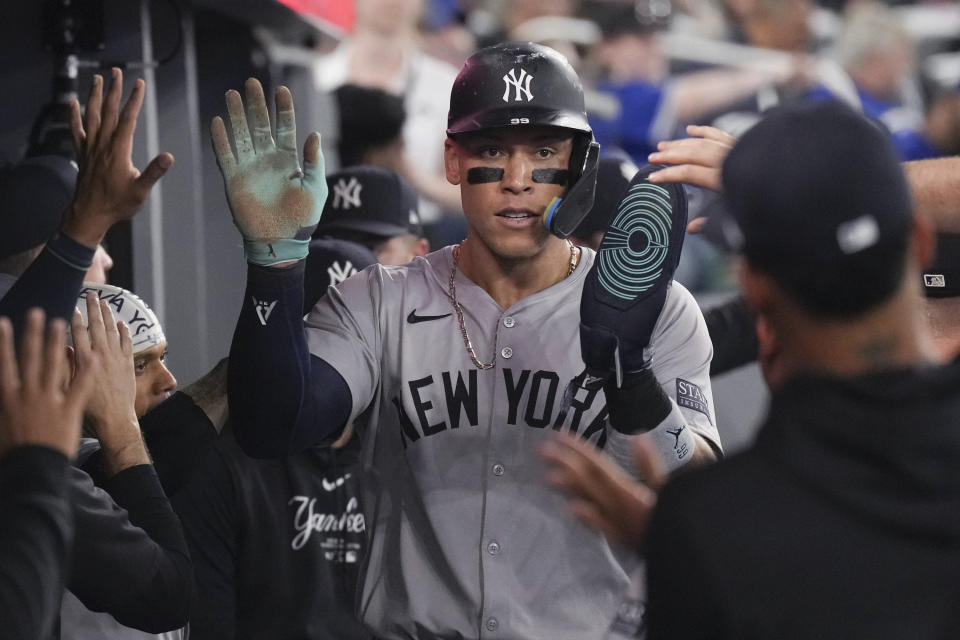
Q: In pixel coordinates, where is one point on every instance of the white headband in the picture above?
(145, 329)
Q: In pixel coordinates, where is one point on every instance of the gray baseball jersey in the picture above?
(466, 538)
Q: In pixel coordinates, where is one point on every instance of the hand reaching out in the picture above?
(697, 160)
(601, 493)
(274, 203)
(109, 188)
(34, 408)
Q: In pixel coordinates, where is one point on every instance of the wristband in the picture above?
(672, 439)
(274, 252)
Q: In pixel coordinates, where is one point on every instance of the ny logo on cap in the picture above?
(338, 273)
(521, 85)
(346, 194)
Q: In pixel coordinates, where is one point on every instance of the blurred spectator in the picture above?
(376, 208)
(277, 543)
(781, 25)
(643, 104)
(878, 54)
(383, 53)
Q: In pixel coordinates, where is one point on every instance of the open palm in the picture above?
(271, 198)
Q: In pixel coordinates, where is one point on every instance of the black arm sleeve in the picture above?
(130, 556)
(282, 399)
(207, 506)
(178, 434)
(51, 282)
(733, 331)
(35, 540)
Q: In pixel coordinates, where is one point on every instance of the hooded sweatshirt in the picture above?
(842, 521)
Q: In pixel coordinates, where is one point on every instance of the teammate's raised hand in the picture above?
(109, 188)
(275, 204)
(34, 407)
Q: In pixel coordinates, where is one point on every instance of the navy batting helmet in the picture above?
(527, 84)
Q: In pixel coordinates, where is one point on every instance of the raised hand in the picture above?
(602, 494)
(275, 204)
(34, 407)
(109, 188)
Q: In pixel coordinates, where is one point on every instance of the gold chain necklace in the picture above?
(483, 366)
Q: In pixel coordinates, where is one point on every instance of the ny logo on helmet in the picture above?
(346, 194)
(520, 85)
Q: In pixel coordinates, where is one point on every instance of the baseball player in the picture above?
(155, 383)
(456, 366)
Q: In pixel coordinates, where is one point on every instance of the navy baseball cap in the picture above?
(941, 279)
(821, 204)
(371, 200)
(34, 194)
(331, 261)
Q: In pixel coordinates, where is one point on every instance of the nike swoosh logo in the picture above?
(413, 318)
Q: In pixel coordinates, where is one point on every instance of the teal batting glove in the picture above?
(275, 204)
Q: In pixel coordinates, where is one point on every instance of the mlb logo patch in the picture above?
(934, 280)
(690, 396)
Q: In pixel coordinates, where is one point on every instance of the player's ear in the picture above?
(451, 161)
(757, 287)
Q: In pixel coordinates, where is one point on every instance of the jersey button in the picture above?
(493, 548)
(498, 469)
(506, 352)
(508, 322)
(492, 624)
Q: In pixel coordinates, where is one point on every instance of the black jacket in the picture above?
(130, 556)
(843, 521)
(36, 535)
(276, 543)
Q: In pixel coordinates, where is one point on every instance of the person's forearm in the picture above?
(178, 433)
(52, 282)
(695, 94)
(35, 538)
(935, 187)
(163, 601)
(281, 398)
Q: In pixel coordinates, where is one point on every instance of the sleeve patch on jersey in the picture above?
(690, 396)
